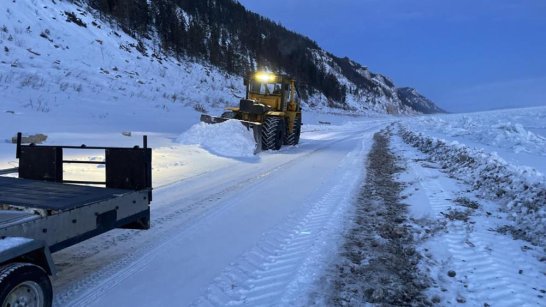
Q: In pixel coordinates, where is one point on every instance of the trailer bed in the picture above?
(52, 195)
(60, 215)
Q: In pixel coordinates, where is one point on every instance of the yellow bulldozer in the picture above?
(271, 109)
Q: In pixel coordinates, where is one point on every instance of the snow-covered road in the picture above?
(225, 235)
(232, 228)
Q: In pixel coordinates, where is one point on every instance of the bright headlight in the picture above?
(264, 77)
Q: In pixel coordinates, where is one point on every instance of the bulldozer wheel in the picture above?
(294, 137)
(273, 133)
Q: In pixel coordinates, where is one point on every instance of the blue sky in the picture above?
(465, 55)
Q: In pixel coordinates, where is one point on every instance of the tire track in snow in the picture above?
(287, 259)
(88, 289)
(487, 264)
(99, 282)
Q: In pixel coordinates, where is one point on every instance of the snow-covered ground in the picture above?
(465, 239)
(233, 228)
(240, 229)
(476, 187)
(516, 135)
(497, 154)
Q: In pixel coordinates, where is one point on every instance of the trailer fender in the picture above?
(20, 249)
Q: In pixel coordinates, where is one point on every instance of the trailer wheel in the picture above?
(272, 133)
(294, 137)
(24, 284)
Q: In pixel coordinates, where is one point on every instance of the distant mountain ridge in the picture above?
(410, 97)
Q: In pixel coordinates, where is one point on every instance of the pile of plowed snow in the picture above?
(229, 139)
(521, 189)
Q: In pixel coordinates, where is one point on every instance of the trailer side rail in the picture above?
(126, 168)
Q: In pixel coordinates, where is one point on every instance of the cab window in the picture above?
(265, 88)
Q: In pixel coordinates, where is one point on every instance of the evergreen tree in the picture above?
(224, 33)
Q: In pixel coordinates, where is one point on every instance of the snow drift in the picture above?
(229, 139)
(522, 190)
(490, 131)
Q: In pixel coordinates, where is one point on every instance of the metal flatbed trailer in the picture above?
(41, 213)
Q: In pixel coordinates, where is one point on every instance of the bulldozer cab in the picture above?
(276, 91)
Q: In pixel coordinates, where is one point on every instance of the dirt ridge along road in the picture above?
(378, 262)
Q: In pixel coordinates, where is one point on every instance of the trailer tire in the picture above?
(24, 283)
(273, 133)
(294, 137)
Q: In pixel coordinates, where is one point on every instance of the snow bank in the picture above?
(522, 189)
(229, 139)
(493, 129)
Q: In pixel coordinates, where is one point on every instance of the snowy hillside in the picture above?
(365, 92)
(54, 52)
(51, 61)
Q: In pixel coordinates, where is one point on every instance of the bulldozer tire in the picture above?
(294, 137)
(273, 132)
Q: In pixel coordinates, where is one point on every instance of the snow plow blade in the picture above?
(256, 128)
(212, 119)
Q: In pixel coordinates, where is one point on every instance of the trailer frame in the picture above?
(41, 212)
